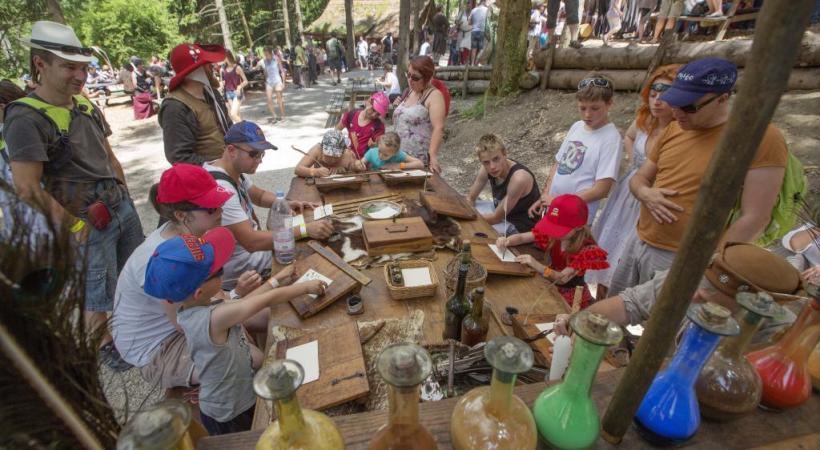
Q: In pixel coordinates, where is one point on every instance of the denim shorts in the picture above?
(106, 252)
(477, 39)
(231, 95)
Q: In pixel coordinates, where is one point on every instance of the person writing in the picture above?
(388, 155)
(330, 157)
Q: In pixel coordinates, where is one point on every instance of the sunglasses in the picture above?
(660, 87)
(597, 82)
(694, 107)
(210, 211)
(252, 153)
(70, 49)
(413, 77)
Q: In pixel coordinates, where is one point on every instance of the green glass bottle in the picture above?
(565, 414)
(457, 307)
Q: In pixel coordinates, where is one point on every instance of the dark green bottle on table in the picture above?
(457, 307)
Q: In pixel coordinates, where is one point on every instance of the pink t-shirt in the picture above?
(360, 135)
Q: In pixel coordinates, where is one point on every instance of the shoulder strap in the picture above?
(59, 116)
(218, 175)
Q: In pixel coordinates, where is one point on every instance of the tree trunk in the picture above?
(223, 23)
(300, 26)
(55, 11)
(511, 56)
(404, 41)
(417, 38)
(351, 41)
(245, 26)
(286, 19)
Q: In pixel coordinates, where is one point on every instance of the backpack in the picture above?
(784, 214)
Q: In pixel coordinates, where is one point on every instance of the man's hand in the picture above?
(561, 325)
(655, 200)
(286, 276)
(434, 165)
(247, 282)
(298, 206)
(812, 275)
(320, 229)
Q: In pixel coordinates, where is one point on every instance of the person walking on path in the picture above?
(233, 84)
(274, 83)
(143, 102)
(571, 8)
(334, 57)
(477, 20)
(440, 27)
(61, 160)
(362, 52)
(299, 63)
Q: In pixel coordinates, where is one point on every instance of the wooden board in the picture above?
(449, 205)
(761, 428)
(485, 255)
(342, 285)
(409, 179)
(542, 348)
(407, 234)
(329, 184)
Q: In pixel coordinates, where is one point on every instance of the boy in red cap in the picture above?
(187, 271)
(567, 240)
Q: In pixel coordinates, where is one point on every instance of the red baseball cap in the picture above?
(566, 213)
(193, 184)
(187, 57)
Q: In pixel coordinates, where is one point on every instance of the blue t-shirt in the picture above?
(372, 158)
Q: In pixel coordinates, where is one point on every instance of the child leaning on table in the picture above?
(570, 249)
(388, 155)
(187, 271)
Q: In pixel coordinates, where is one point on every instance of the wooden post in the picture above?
(404, 41)
(223, 23)
(300, 27)
(660, 53)
(545, 75)
(774, 51)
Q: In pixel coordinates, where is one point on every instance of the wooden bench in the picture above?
(723, 22)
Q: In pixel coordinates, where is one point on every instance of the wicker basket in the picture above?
(401, 292)
(476, 275)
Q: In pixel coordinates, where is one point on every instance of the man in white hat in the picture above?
(62, 161)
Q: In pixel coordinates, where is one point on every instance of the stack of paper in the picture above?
(417, 276)
(322, 211)
(313, 275)
(307, 355)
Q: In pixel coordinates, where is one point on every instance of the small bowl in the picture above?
(379, 210)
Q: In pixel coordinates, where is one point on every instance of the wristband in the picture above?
(401, 166)
(78, 226)
(302, 231)
(547, 272)
(273, 282)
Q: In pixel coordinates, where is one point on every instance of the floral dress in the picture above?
(413, 125)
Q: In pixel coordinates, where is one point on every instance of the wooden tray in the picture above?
(485, 255)
(329, 184)
(342, 285)
(407, 234)
(449, 205)
(406, 179)
(542, 348)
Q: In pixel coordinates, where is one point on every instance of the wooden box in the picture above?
(409, 234)
(351, 181)
(342, 285)
(449, 205)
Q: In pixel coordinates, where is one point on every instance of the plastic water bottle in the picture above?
(280, 222)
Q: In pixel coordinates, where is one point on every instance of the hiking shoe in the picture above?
(576, 44)
(110, 356)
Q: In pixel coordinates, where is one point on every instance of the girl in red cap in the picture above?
(570, 249)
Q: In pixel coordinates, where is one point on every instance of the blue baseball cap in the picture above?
(698, 78)
(180, 265)
(248, 133)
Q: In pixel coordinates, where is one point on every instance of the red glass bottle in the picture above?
(783, 367)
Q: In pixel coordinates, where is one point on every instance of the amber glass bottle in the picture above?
(475, 326)
(163, 426)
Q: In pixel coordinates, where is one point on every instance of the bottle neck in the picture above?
(290, 417)
(735, 346)
(583, 364)
(695, 348)
(801, 338)
(478, 309)
(501, 391)
(404, 405)
(462, 282)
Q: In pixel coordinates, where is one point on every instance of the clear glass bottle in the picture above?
(163, 426)
(475, 326)
(565, 414)
(457, 307)
(403, 367)
(294, 427)
(728, 387)
(492, 417)
(783, 367)
(669, 411)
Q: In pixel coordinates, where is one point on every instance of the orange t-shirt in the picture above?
(682, 158)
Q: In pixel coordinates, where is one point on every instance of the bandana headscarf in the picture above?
(334, 143)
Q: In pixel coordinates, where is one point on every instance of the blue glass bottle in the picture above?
(669, 413)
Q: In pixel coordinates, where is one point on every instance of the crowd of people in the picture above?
(210, 243)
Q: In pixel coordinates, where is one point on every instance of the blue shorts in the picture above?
(231, 95)
(477, 40)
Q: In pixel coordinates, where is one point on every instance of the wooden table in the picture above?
(792, 429)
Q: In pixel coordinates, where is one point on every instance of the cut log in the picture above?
(454, 75)
(529, 79)
(473, 86)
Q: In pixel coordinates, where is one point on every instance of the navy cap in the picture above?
(248, 133)
(698, 78)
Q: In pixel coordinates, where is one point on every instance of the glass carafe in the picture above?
(565, 414)
(474, 327)
(814, 367)
(403, 367)
(294, 427)
(783, 367)
(669, 411)
(163, 426)
(492, 417)
(728, 387)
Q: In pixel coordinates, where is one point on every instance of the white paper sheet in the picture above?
(561, 351)
(384, 213)
(508, 255)
(344, 178)
(635, 330)
(417, 276)
(313, 275)
(308, 356)
(298, 220)
(418, 173)
(322, 211)
(547, 326)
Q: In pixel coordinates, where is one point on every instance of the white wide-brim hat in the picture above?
(58, 39)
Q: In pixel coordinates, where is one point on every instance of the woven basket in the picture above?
(476, 275)
(402, 292)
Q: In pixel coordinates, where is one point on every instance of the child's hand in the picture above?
(561, 325)
(502, 243)
(528, 260)
(358, 166)
(285, 276)
(535, 209)
(320, 172)
(247, 282)
(315, 287)
(565, 275)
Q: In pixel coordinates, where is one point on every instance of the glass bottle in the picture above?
(814, 367)
(294, 427)
(163, 426)
(475, 326)
(492, 417)
(728, 387)
(783, 366)
(403, 367)
(669, 411)
(565, 413)
(457, 307)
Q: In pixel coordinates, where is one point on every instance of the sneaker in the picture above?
(110, 356)
(715, 15)
(576, 44)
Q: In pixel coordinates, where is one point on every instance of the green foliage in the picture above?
(16, 17)
(476, 111)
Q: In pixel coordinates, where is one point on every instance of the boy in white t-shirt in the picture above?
(589, 158)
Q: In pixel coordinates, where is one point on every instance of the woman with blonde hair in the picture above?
(618, 222)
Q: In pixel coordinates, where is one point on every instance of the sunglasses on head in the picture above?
(85, 51)
(413, 77)
(660, 87)
(694, 107)
(597, 82)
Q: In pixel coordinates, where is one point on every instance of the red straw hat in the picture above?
(566, 213)
(187, 57)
